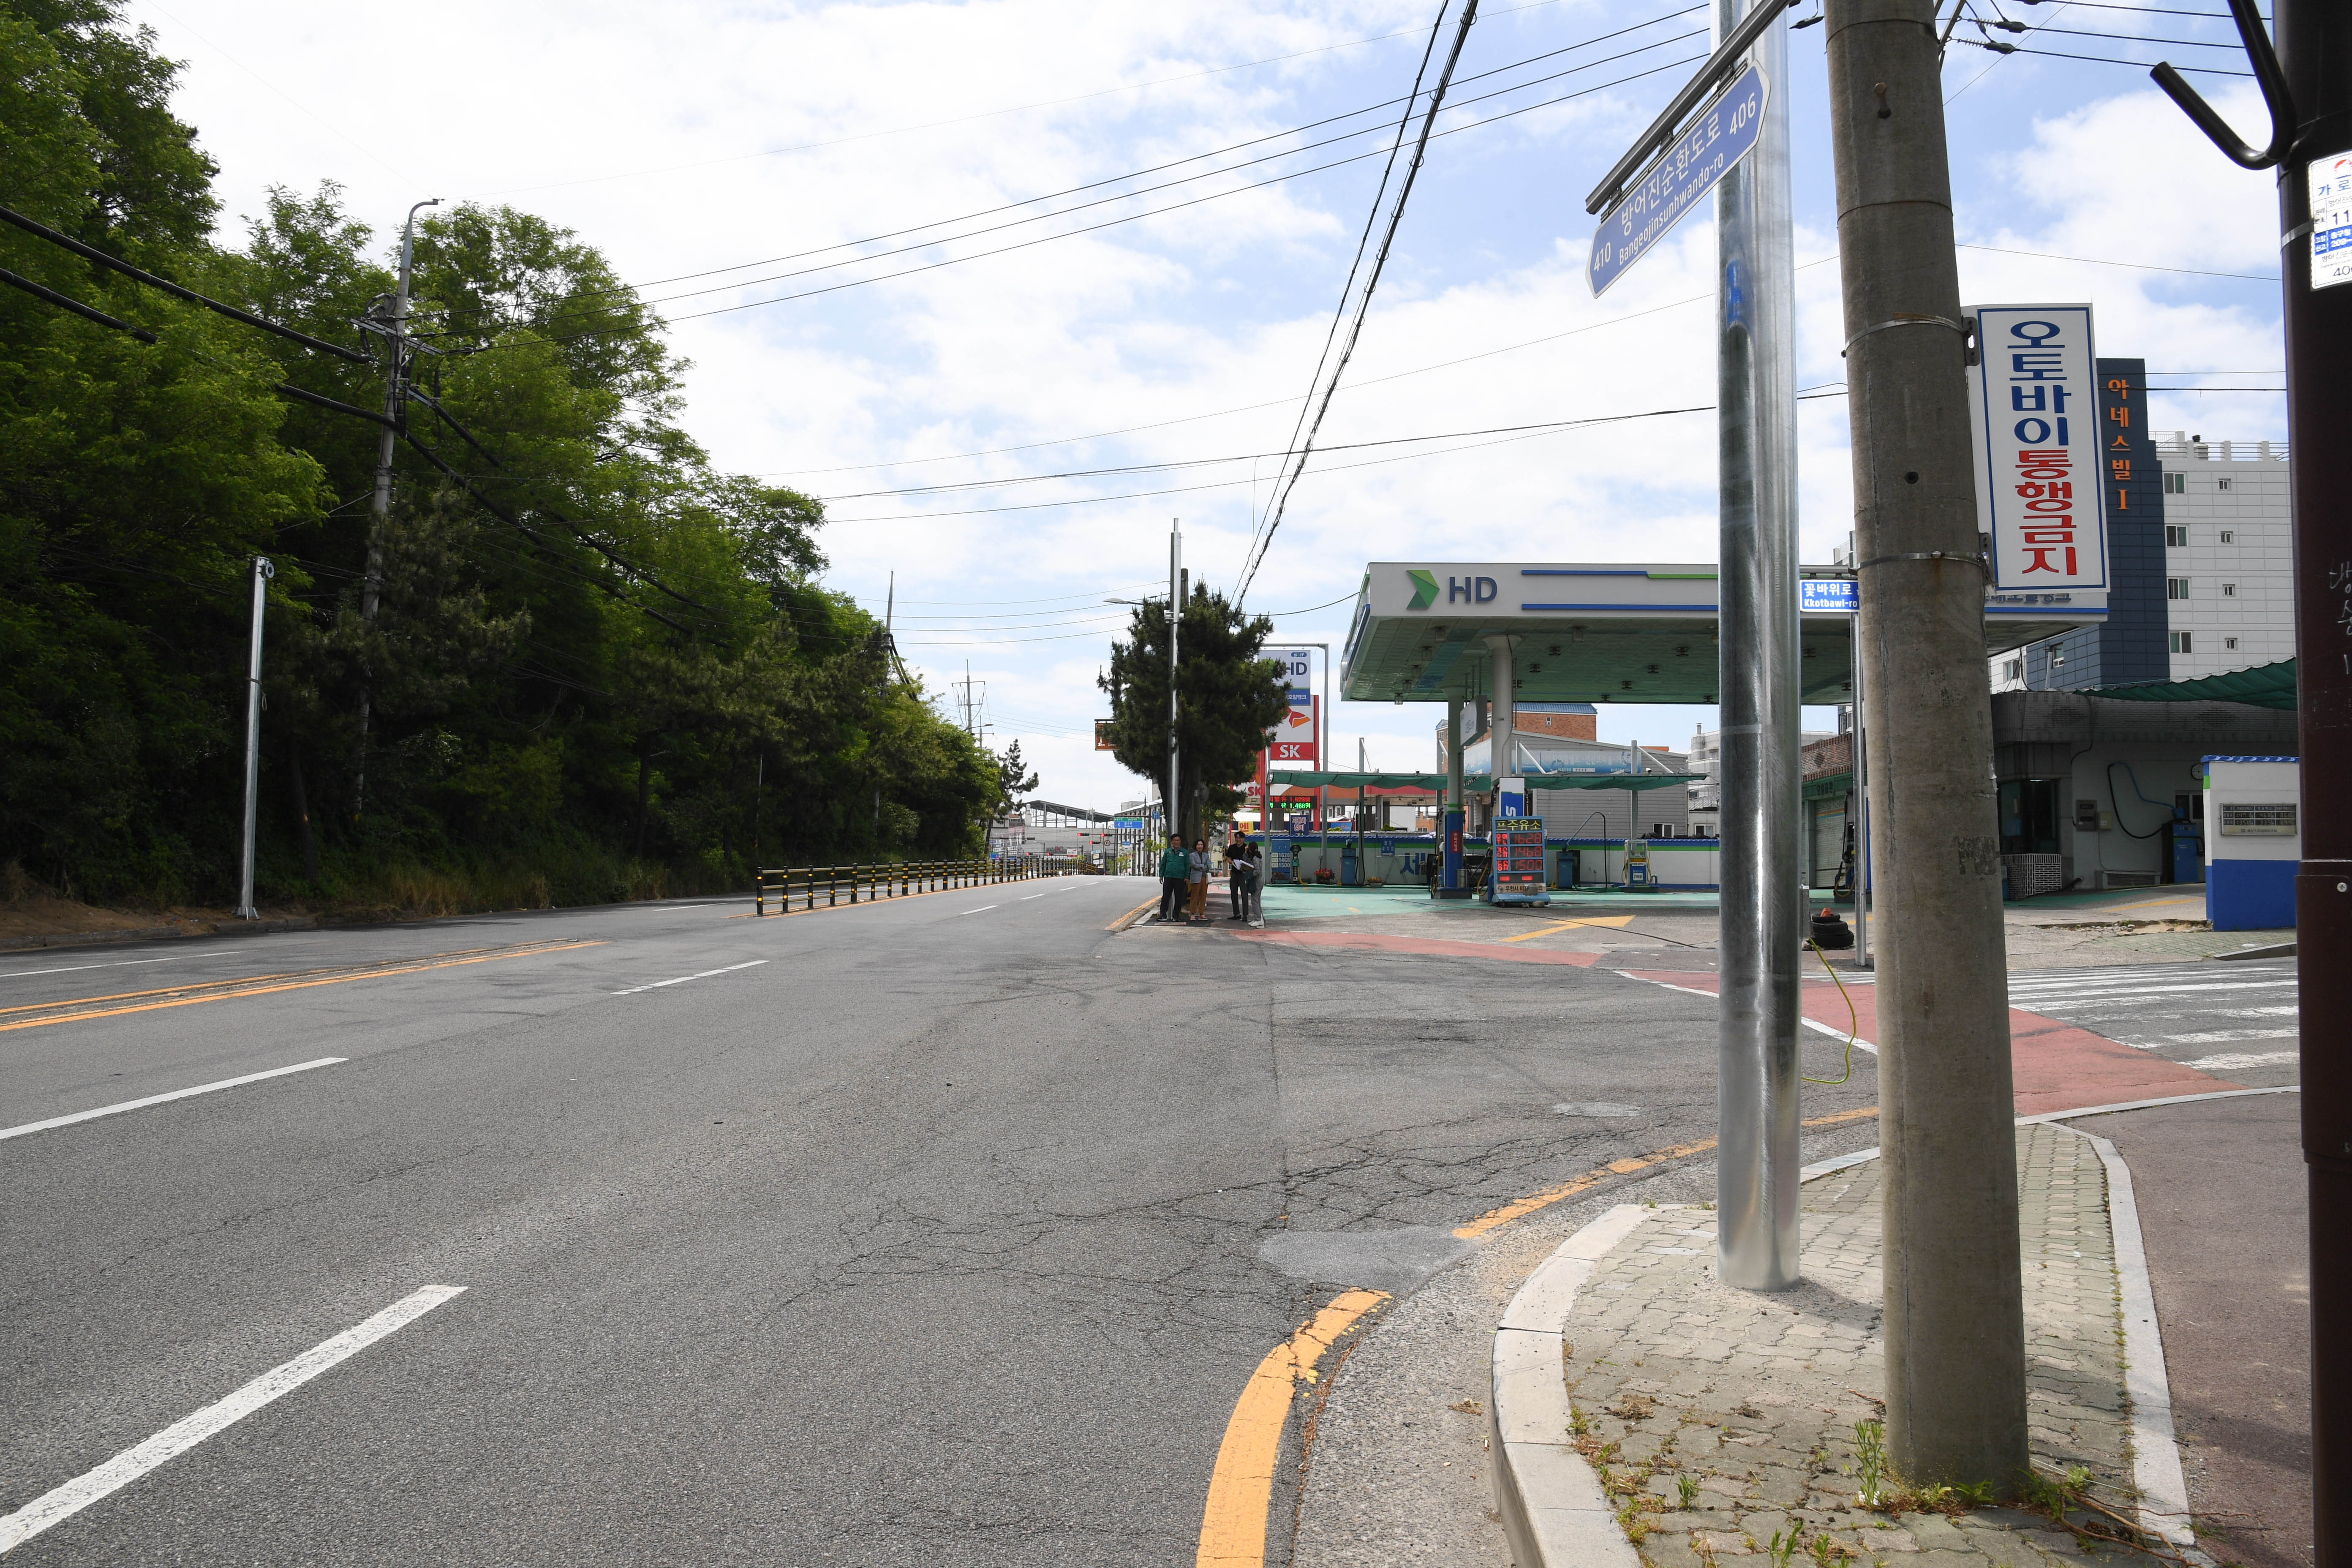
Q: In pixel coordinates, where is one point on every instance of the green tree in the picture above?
(1228, 697)
(1013, 778)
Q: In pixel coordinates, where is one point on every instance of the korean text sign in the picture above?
(1721, 134)
(2034, 406)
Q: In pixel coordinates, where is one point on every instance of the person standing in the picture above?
(1250, 885)
(1237, 870)
(1175, 873)
(1202, 865)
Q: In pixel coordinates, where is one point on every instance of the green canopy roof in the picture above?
(1435, 783)
(2264, 686)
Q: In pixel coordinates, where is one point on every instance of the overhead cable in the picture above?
(91, 253)
(1281, 499)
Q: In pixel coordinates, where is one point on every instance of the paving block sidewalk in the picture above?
(1719, 1419)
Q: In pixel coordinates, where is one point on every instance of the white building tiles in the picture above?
(2228, 558)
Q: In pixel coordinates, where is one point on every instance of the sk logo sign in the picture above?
(1424, 589)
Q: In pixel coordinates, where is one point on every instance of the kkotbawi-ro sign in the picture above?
(1708, 149)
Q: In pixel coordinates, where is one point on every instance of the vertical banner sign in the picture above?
(1292, 742)
(2331, 220)
(2040, 438)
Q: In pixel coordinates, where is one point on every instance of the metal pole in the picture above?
(1763, 875)
(1956, 1406)
(1174, 812)
(394, 402)
(1449, 821)
(1862, 958)
(2315, 50)
(263, 571)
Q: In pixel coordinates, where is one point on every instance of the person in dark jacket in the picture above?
(1175, 881)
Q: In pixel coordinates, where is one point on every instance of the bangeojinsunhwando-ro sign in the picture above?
(2033, 405)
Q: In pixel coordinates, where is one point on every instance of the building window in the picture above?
(2229, 590)
(2176, 484)
(2014, 670)
(2176, 534)
(2179, 641)
(2220, 484)
(2230, 644)
(2176, 587)
(2228, 536)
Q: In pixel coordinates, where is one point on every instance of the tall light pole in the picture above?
(263, 571)
(395, 405)
(1763, 897)
(1175, 626)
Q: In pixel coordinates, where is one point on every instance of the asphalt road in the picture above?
(943, 1231)
(2238, 1020)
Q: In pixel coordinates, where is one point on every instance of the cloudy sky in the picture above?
(958, 387)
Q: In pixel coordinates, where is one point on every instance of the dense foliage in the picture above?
(591, 652)
(1228, 698)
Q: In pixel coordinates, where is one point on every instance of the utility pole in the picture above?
(2307, 82)
(1756, 1065)
(395, 399)
(1954, 1319)
(263, 571)
(1175, 626)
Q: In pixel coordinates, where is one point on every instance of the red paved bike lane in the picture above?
(2056, 1065)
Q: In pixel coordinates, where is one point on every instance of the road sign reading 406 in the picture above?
(1711, 147)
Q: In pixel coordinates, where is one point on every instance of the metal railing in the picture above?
(832, 886)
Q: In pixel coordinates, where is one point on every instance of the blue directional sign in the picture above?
(1708, 149)
(1827, 595)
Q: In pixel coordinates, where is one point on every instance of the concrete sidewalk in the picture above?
(1647, 1414)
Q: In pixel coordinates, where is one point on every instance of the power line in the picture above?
(1107, 223)
(89, 253)
(1281, 499)
(1141, 173)
(2001, 49)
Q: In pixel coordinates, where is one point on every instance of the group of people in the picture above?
(1185, 880)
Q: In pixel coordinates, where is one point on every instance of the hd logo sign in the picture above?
(1457, 590)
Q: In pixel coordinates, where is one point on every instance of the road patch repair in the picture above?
(1642, 1413)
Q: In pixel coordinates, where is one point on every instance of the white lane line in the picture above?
(982, 907)
(682, 979)
(159, 1098)
(1026, 897)
(2069, 994)
(118, 963)
(119, 1471)
(2241, 1061)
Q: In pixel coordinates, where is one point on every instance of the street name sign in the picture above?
(1712, 145)
(1827, 595)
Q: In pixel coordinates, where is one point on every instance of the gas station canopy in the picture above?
(1435, 783)
(1613, 632)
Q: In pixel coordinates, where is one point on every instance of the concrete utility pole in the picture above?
(1175, 628)
(263, 571)
(1757, 1064)
(395, 400)
(2307, 82)
(1955, 1318)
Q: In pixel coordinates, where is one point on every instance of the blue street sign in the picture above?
(1827, 595)
(1692, 161)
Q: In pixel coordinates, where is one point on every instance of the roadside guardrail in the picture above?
(875, 880)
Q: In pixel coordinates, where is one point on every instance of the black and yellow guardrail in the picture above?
(831, 885)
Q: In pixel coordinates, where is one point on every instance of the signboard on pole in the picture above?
(1827, 595)
(2040, 447)
(1723, 133)
(1298, 673)
(1293, 741)
(2331, 220)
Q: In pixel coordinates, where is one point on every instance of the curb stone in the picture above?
(1553, 1508)
(155, 933)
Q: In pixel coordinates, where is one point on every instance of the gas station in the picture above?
(1595, 633)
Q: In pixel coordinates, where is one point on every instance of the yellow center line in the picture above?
(1241, 1487)
(1616, 921)
(290, 986)
(1497, 1218)
(186, 987)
